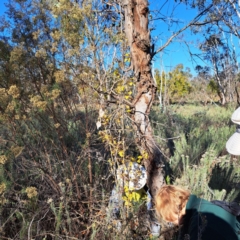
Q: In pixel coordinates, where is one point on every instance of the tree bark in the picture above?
(138, 35)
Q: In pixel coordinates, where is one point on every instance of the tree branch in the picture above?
(184, 28)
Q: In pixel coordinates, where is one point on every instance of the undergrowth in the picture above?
(48, 192)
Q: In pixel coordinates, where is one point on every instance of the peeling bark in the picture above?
(138, 35)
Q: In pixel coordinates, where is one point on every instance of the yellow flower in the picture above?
(3, 159)
(36, 34)
(121, 153)
(57, 125)
(2, 187)
(17, 117)
(14, 91)
(41, 53)
(3, 95)
(37, 102)
(31, 192)
(16, 54)
(10, 107)
(55, 93)
(56, 35)
(67, 180)
(59, 76)
(16, 150)
(2, 200)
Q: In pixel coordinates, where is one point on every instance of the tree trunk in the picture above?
(138, 35)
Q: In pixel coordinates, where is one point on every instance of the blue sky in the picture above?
(2, 7)
(178, 51)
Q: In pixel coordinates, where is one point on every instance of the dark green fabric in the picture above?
(206, 221)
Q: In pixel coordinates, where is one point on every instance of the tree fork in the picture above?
(136, 29)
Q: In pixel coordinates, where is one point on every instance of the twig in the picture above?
(182, 29)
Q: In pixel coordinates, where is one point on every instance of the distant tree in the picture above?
(179, 83)
(204, 87)
(176, 84)
(161, 81)
(212, 86)
(221, 58)
(220, 28)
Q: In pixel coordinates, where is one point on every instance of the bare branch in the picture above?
(184, 28)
